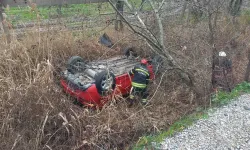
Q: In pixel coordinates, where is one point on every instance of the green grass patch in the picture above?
(245, 17)
(74, 10)
(25, 14)
(222, 97)
(218, 99)
(184, 122)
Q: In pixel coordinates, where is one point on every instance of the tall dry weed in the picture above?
(36, 114)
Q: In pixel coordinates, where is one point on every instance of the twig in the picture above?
(161, 81)
(16, 141)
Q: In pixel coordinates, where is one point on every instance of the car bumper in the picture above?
(88, 97)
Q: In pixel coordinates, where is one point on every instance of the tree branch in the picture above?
(148, 40)
(161, 32)
(141, 22)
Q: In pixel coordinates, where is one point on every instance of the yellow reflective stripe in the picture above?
(131, 97)
(144, 100)
(138, 85)
(142, 71)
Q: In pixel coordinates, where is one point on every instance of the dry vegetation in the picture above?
(36, 114)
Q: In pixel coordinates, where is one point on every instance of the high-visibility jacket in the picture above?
(141, 76)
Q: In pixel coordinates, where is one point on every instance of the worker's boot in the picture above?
(130, 101)
(144, 102)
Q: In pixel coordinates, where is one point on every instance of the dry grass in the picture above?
(35, 114)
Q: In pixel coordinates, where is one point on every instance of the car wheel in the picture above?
(129, 52)
(157, 63)
(104, 81)
(76, 64)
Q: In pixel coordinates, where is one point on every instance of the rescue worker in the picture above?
(222, 76)
(139, 82)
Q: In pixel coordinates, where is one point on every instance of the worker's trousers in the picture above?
(142, 92)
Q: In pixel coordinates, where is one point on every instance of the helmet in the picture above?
(144, 61)
(222, 54)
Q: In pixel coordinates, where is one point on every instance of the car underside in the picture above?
(96, 82)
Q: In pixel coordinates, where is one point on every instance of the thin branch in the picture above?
(148, 40)
(161, 5)
(158, 48)
(141, 22)
(161, 36)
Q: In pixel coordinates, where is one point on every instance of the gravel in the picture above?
(227, 128)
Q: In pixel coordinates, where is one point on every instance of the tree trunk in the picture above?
(248, 68)
(5, 25)
(235, 7)
(118, 22)
(59, 10)
(212, 23)
(196, 11)
(184, 10)
(159, 21)
(142, 3)
(247, 71)
(188, 14)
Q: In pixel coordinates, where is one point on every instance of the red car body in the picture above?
(91, 97)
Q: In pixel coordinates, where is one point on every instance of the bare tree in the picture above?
(185, 4)
(248, 68)
(3, 21)
(118, 22)
(197, 9)
(234, 9)
(209, 9)
(155, 42)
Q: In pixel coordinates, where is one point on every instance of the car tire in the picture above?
(105, 81)
(76, 64)
(129, 51)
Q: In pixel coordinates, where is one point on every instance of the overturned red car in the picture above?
(94, 83)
